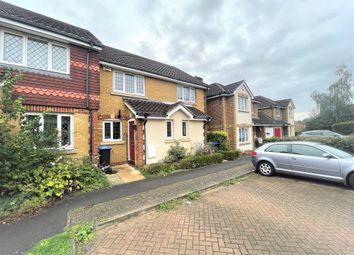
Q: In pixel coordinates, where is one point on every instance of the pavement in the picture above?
(21, 236)
(257, 215)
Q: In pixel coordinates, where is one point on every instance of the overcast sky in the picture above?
(283, 49)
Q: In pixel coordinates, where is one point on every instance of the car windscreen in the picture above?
(335, 151)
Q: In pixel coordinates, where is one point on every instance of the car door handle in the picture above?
(293, 158)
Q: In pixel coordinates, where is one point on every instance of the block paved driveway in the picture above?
(258, 215)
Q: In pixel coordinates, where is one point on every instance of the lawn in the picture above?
(59, 245)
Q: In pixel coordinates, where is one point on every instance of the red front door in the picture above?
(131, 141)
(277, 132)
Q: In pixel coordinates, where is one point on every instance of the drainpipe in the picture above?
(145, 120)
(88, 103)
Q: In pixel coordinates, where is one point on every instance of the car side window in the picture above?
(306, 150)
(314, 133)
(278, 148)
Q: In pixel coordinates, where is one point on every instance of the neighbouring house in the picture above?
(147, 106)
(273, 118)
(230, 109)
(60, 66)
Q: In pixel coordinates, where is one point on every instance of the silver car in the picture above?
(317, 133)
(305, 159)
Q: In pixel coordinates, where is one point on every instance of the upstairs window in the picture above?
(34, 53)
(242, 103)
(186, 94)
(291, 112)
(128, 83)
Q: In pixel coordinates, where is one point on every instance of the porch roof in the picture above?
(158, 109)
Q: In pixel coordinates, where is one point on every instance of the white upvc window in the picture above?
(185, 93)
(128, 83)
(63, 123)
(31, 51)
(112, 130)
(184, 128)
(242, 103)
(291, 112)
(169, 129)
(243, 135)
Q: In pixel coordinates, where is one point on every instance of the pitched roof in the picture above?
(160, 109)
(265, 102)
(34, 19)
(216, 89)
(265, 120)
(126, 59)
(284, 102)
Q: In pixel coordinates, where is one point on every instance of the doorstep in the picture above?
(128, 173)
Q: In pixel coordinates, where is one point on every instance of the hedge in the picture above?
(342, 143)
(186, 163)
(230, 155)
(344, 128)
(221, 137)
(199, 161)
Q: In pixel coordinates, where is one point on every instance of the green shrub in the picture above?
(344, 128)
(199, 161)
(175, 153)
(202, 149)
(221, 137)
(342, 143)
(158, 169)
(230, 155)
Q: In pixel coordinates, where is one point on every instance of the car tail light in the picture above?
(254, 153)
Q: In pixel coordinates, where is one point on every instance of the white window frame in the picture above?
(191, 90)
(169, 137)
(25, 47)
(111, 125)
(135, 83)
(242, 103)
(291, 112)
(243, 135)
(59, 115)
(186, 122)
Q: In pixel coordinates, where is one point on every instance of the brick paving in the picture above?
(257, 215)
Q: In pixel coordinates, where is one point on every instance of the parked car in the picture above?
(307, 159)
(317, 133)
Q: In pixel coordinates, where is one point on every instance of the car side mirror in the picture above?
(327, 155)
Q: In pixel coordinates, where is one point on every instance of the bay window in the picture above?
(35, 53)
(112, 130)
(128, 83)
(185, 93)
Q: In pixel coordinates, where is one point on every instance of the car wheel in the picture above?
(351, 180)
(265, 168)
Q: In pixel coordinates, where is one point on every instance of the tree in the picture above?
(335, 104)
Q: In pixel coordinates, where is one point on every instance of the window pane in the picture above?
(192, 94)
(116, 130)
(37, 54)
(65, 131)
(179, 93)
(50, 122)
(129, 83)
(139, 84)
(169, 129)
(184, 129)
(118, 81)
(185, 93)
(306, 150)
(107, 130)
(280, 148)
(13, 48)
(59, 58)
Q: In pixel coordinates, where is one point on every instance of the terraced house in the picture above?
(60, 66)
(147, 106)
(230, 109)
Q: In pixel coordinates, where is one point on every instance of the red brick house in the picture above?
(60, 66)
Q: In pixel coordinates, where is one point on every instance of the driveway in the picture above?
(258, 215)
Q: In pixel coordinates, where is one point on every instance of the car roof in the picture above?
(294, 142)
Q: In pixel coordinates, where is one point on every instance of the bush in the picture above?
(158, 169)
(230, 155)
(344, 128)
(202, 149)
(221, 138)
(199, 161)
(175, 153)
(342, 143)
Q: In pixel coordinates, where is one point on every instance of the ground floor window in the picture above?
(184, 128)
(169, 129)
(243, 135)
(63, 123)
(112, 130)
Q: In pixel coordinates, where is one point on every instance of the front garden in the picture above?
(216, 151)
(34, 173)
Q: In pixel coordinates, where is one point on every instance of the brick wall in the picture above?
(215, 110)
(139, 144)
(52, 89)
(230, 120)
